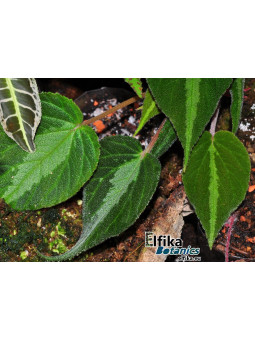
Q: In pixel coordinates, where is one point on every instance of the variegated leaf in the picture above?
(20, 110)
(189, 103)
(217, 179)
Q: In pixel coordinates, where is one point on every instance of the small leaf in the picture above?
(150, 110)
(165, 139)
(136, 85)
(117, 194)
(236, 92)
(189, 103)
(66, 156)
(217, 179)
(20, 110)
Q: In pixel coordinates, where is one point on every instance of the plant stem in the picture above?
(112, 110)
(154, 139)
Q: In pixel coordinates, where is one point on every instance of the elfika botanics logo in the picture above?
(165, 245)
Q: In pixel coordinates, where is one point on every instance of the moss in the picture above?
(51, 216)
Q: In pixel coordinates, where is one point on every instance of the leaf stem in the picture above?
(112, 110)
(154, 139)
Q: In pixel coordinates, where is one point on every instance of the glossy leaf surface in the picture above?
(65, 158)
(217, 179)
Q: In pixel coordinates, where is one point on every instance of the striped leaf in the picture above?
(20, 110)
(236, 92)
(136, 85)
(216, 179)
(66, 156)
(189, 103)
(117, 194)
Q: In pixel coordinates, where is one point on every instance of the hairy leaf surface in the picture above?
(136, 85)
(189, 103)
(165, 139)
(20, 110)
(149, 110)
(65, 158)
(217, 179)
(236, 92)
(117, 194)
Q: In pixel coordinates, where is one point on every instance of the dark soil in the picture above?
(54, 230)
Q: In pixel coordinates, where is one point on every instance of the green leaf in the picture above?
(236, 92)
(20, 110)
(136, 85)
(165, 139)
(217, 179)
(66, 156)
(117, 194)
(189, 103)
(150, 110)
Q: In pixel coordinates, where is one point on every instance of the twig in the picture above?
(237, 250)
(133, 251)
(112, 110)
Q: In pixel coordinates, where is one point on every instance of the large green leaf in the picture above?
(217, 179)
(119, 191)
(20, 110)
(189, 103)
(149, 110)
(165, 139)
(136, 85)
(65, 158)
(236, 92)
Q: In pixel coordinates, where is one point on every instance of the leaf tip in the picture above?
(211, 242)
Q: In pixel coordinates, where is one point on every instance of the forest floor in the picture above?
(53, 231)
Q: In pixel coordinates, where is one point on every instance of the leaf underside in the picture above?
(236, 92)
(136, 85)
(20, 110)
(216, 179)
(117, 194)
(189, 103)
(65, 158)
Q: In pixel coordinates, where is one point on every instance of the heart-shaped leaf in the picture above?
(136, 85)
(217, 179)
(20, 110)
(149, 110)
(236, 92)
(66, 156)
(189, 103)
(117, 194)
